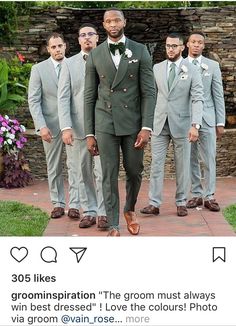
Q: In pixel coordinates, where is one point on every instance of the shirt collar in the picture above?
(199, 59)
(121, 40)
(56, 63)
(177, 63)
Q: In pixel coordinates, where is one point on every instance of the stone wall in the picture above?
(149, 27)
(226, 157)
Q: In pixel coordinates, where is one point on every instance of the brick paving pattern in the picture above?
(198, 223)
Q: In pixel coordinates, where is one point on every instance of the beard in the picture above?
(116, 34)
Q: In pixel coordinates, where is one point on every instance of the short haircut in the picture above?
(114, 9)
(54, 35)
(197, 33)
(176, 35)
(87, 25)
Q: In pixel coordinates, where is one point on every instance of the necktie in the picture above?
(119, 46)
(85, 57)
(58, 70)
(171, 75)
(195, 62)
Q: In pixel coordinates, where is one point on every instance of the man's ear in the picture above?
(124, 22)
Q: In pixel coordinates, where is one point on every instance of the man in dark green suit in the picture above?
(119, 106)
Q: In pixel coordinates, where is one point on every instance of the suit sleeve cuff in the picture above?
(146, 128)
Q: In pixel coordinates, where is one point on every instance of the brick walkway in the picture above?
(197, 223)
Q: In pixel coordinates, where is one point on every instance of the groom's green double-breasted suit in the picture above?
(118, 104)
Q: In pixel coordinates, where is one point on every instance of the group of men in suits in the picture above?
(114, 101)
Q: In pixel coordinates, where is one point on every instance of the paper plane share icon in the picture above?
(79, 252)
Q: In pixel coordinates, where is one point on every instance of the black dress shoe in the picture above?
(87, 221)
(182, 211)
(103, 223)
(57, 212)
(194, 202)
(212, 205)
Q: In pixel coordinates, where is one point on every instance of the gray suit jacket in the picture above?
(42, 96)
(214, 106)
(71, 95)
(183, 104)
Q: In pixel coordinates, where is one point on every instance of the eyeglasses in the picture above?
(89, 34)
(173, 46)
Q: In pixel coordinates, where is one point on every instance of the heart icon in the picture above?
(19, 254)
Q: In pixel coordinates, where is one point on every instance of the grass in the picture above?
(230, 215)
(18, 219)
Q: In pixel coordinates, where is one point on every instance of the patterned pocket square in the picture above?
(133, 61)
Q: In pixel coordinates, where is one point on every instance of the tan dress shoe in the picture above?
(151, 210)
(113, 233)
(87, 221)
(74, 213)
(57, 212)
(132, 223)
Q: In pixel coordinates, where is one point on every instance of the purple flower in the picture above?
(1, 140)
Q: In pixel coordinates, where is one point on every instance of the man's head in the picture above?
(174, 46)
(114, 23)
(88, 37)
(56, 46)
(196, 44)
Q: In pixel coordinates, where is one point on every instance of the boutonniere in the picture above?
(184, 77)
(128, 53)
(184, 68)
(133, 61)
(204, 66)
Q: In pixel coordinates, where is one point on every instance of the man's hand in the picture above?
(219, 131)
(45, 134)
(142, 139)
(193, 134)
(67, 137)
(92, 145)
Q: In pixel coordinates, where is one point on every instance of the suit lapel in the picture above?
(123, 66)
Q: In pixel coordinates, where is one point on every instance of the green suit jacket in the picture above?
(119, 102)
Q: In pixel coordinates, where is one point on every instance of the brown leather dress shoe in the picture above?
(57, 212)
(74, 213)
(103, 223)
(87, 221)
(182, 211)
(132, 223)
(150, 209)
(113, 233)
(212, 205)
(194, 202)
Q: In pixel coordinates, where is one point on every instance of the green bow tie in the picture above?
(119, 46)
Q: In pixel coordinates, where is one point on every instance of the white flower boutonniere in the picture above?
(128, 53)
(133, 61)
(184, 68)
(204, 66)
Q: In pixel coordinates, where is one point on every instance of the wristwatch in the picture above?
(196, 125)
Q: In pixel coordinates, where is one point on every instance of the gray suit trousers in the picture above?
(206, 149)
(159, 147)
(53, 152)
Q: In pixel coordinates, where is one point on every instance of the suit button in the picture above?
(109, 106)
(112, 90)
(126, 106)
(131, 76)
(102, 76)
(125, 89)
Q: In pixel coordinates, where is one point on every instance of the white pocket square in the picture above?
(207, 74)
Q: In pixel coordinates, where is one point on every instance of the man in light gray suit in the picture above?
(71, 117)
(178, 116)
(42, 100)
(212, 125)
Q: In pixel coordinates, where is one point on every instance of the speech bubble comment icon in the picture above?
(49, 255)
(19, 254)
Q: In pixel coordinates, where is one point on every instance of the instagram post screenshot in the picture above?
(117, 163)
